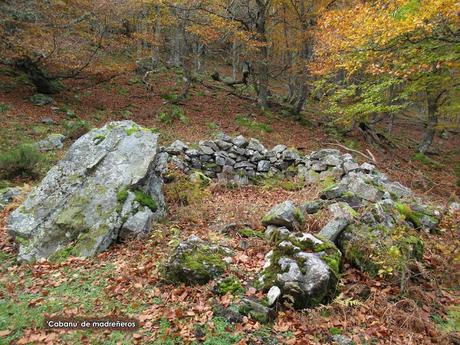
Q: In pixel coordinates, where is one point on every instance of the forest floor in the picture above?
(126, 280)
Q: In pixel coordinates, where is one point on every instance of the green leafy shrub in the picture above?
(4, 107)
(75, 129)
(173, 113)
(23, 160)
(253, 124)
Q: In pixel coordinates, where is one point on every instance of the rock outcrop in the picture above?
(110, 179)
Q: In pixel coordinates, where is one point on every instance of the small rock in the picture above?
(244, 164)
(333, 192)
(52, 142)
(365, 191)
(312, 207)
(256, 145)
(256, 310)
(332, 160)
(41, 99)
(367, 167)
(333, 228)
(177, 147)
(342, 210)
(223, 137)
(263, 166)
(342, 339)
(278, 149)
(454, 207)
(137, 225)
(350, 165)
(273, 294)
(323, 153)
(7, 195)
(284, 214)
(240, 141)
(48, 121)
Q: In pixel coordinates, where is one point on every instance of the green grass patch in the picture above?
(253, 124)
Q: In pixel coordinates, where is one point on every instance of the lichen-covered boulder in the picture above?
(304, 267)
(195, 261)
(378, 249)
(52, 142)
(106, 177)
(285, 214)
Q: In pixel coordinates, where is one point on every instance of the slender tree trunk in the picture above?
(235, 60)
(157, 35)
(262, 64)
(432, 122)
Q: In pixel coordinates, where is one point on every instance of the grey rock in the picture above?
(318, 166)
(209, 144)
(333, 228)
(256, 145)
(192, 153)
(333, 192)
(41, 99)
(48, 121)
(284, 214)
(263, 166)
(179, 163)
(277, 150)
(256, 157)
(7, 195)
(256, 310)
(312, 207)
(323, 153)
(77, 204)
(309, 176)
(365, 191)
(223, 137)
(367, 167)
(52, 142)
(240, 141)
(208, 262)
(342, 339)
(244, 164)
(398, 189)
(223, 145)
(276, 233)
(177, 147)
(289, 155)
(272, 295)
(137, 225)
(454, 207)
(350, 165)
(206, 150)
(238, 151)
(342, 210)
(332, 160)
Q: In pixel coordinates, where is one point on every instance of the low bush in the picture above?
(23, 160)
(75, 129)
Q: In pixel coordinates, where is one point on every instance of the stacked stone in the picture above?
(233, 158)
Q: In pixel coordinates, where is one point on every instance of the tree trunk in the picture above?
(262, 64)
(431, 122)
(157, 35)
(235, 60)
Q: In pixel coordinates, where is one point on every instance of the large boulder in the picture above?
(195, 261)
(304, 267)
(107, 177)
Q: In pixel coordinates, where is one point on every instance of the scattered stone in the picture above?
(284, 214)
(41, 99)
(319, 155)
(256, 310)
(277, 150)
(350, 165)
(273, 294)
(263, 166)
(256, 145)
(177, 147)
(7, 195)
(342, 339)
(454, 207)
(52, 142)
(364, 190)
(80, 206)
(333, 228)
(240, 141)
(342, 210)
(137, 225)
(304, 268)
(312, 207)
(48, 121)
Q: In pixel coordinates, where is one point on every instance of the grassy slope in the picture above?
(126, 279)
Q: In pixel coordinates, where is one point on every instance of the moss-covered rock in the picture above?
(306, 268)
(380, 250)
(285, 214)
(195, 261)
